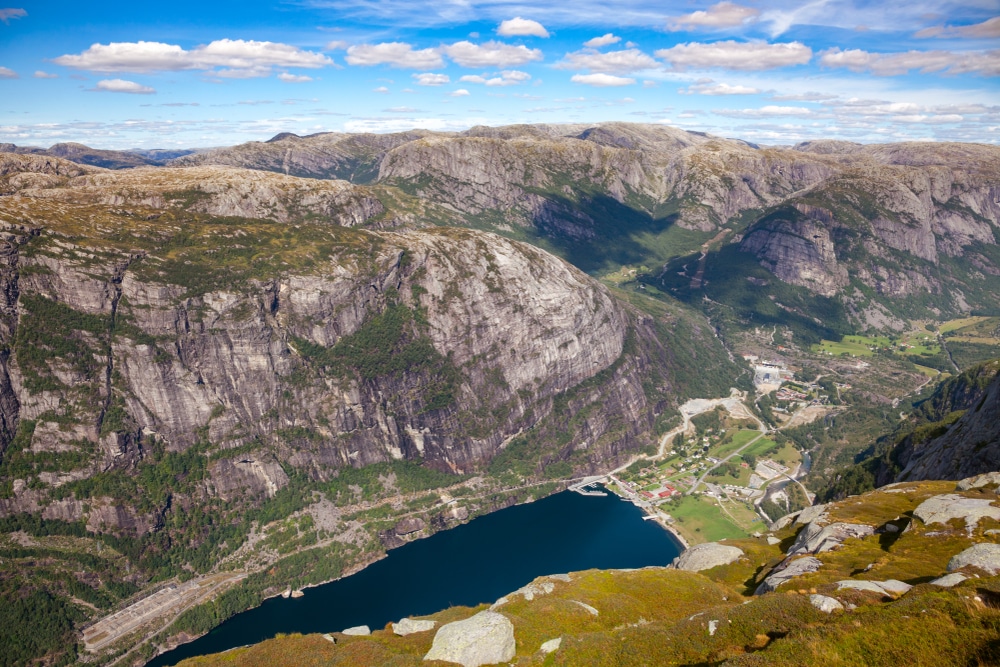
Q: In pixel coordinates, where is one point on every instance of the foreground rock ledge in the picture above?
(484, 639)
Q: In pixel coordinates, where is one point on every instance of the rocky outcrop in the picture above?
(944, 508)
(786, 571)
(825, 603)
(890, 587)
(706, 556)
(985, 557)
(484, 639)
(817, 538)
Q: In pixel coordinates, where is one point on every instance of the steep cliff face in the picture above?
(141, 326)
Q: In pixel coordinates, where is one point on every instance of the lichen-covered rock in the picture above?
(825, 603)
(979, 481)
(551, 645)
(949, 580)
(942, 509)
(985, 557)
(890, 587)
(409, 626)
(706, 556)
(786, 571)
(815, 538)
(484, 639)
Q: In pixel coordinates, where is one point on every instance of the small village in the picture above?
(720, 476)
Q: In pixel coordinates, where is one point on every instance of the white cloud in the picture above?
(7, 73)
(710, 88)
(294, 78)
(621, 62)
(401, 110)
(988, 29)
(39, 74)
(122, 86)
(986, 63)
(491, 54)
(461, 92)
(381, 89)
(746, 56)
(240, 58)
(518, 27)
(602, 80)
(398, 54)
(722, 15)
(11, 13)
(508, 77)
(431, 79)
(764, 112)
(604, 40)
(336, 45)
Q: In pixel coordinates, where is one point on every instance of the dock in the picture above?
(583, 486)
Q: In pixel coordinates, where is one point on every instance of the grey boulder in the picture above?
(984, 556)
(484, 639)
(789, 569)
(706, 556)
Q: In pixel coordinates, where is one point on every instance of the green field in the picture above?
(920, 344)
(965, 322)
(699, 519)
(731, 444)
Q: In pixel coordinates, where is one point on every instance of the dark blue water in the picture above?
(477, 562)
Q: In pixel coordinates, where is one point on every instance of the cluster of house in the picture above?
(663, 491)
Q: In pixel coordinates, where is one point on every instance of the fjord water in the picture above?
(477, 562)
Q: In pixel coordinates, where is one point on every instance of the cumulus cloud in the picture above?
(39, 74)
(461, 92)
(986, 63)
(518, 27)
(620, 62)
(745, 56)
(490, 54)
(7, 73)
(431, 79)
(9, 13)
(712, 88)
(397, 54)
(988, 29)
(122, 86)
(294, 78)
(239, 58)
(509, 77)
(604, 40)
(602, 80)
(381, 89)
(722, 15)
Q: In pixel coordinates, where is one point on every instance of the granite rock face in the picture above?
(484, 639)
(301, 344)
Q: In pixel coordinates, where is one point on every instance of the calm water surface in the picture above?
(477, 562)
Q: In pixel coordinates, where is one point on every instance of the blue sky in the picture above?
(197, 74)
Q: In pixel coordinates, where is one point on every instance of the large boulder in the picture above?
(484, 639)
(787, 570)
(942, 509)
(984, 556)
(706, 556)
(815, 539)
